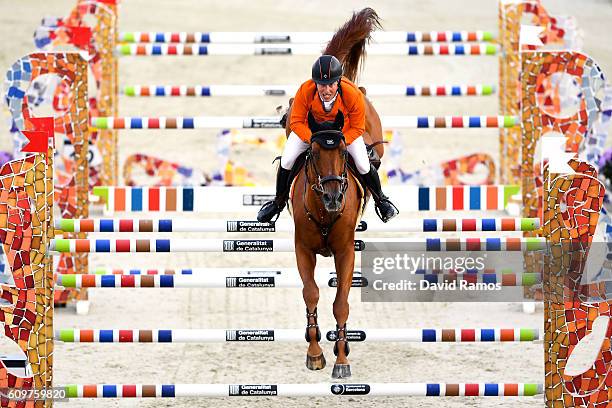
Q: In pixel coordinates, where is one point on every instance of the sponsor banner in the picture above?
(359, 245)
(248, 390)
(351, 335)
(249, 335)
(248, 245)
(275, 92)
(250, 282)
(350, 389)
(256, 199)
(273, 39)
(250, 226)
(257, 123)
(274, 51)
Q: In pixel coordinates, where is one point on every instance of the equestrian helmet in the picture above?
(326, 70)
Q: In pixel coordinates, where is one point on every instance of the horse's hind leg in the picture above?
(345, 262)
(306, 261)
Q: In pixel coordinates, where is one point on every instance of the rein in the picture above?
(317, 187)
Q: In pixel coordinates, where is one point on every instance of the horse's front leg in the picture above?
(345, 263)
(306, 262)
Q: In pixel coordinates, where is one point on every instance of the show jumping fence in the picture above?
(30, 181)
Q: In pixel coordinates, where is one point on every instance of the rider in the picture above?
(327, 93)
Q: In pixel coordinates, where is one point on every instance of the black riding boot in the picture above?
(384, 207)
(273, 208)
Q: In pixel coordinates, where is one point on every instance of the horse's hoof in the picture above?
(316, 362)
(341, 371)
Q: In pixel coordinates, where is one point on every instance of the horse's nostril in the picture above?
(340, 197)
(326, 197)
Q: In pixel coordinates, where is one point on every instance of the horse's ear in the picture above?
(312, 123)
(339, 121)
(291, 101)
(363, 90)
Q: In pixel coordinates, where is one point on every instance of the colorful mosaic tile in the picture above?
(26, 200)
(100, 44)
(570, 206)
(557, 31)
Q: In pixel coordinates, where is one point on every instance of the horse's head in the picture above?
(327, 159)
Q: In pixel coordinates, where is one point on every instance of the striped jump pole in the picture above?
(279, 278)
(302, 390)
(199, 278)
(249, 199)
(287, 245)
(245, 226)
(492, 335)
(273, 122)
(288, 90)
(292, 272)
(299, 37)
(453, 49)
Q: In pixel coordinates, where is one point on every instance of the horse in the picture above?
(327, 199)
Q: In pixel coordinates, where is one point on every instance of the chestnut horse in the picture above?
(326, 200)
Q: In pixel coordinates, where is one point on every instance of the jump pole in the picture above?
(303, 390)
(273, 278)
(288, 90)
(396, 335)
(133, 225)
(287, 245)
(452, 49)
(249, 199)
(299, 37)
(273, 122)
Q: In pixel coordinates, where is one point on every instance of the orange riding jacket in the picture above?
(350, 101)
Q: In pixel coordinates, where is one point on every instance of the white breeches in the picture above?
(359, 153)
(295, 146)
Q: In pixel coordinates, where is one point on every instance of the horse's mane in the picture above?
(349, 42)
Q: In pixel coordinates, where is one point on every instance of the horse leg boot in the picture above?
(317, 361)
(273, 208)
(384, 207)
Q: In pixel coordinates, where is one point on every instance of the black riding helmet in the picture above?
(326, 70)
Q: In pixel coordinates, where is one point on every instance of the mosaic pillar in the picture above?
(102, 143)
(555, 34)
(570, 209)
(571, 305)
(103, 65)
(26, 224)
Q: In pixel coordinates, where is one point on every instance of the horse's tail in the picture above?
(349, 42)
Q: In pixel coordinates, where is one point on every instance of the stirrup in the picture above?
(343, 338)
(269, 210)
(311, 325)
(379, 213)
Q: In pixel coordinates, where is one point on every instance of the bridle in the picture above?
(324, 139)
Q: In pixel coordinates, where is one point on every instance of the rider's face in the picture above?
(327, 92)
